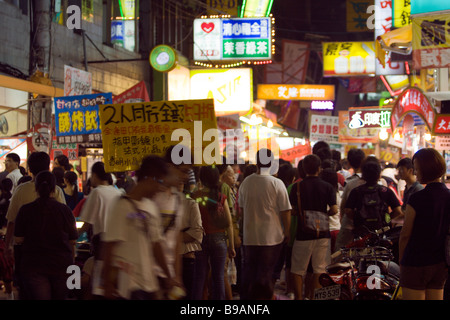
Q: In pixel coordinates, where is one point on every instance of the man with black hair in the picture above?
(12, 163)
(266, 212)
(405, 169)
(345, 235)
(370, 195)
(98, 204)
(26, 193)
(315, 195)
(133, 238)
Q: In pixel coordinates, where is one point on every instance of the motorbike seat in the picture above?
(340, 266)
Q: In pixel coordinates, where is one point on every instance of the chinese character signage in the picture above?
(76, 118)
(348, 58)
(133, 130)
(412, 100)
(401, 13)
(442, 124)
(324, 128)
(70, 150)
(383, 24)
(231, 89)
(357, 15)
(442, 143)
(77, 82)
(369, 118)
(296, 92)
(431, 41)
(232, 39)
(360, 135)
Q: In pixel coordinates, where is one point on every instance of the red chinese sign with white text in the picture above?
(442, 124)
(413, 100)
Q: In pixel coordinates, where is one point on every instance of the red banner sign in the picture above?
(137, 93)
(299, 151)
(412, 100)
(442, 124)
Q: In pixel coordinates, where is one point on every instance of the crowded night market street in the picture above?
(224, 158)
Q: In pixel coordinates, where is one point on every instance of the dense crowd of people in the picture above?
(218, 232)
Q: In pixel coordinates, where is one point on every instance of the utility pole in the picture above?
(40, 107)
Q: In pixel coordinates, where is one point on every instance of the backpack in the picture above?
(374, 211)
(218, 218)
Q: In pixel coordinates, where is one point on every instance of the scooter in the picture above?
(362, 270)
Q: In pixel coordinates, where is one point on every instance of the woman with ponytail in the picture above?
(214, 244)
(71, 193)
(46, 230)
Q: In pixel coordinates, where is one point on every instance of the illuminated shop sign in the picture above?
(232, 39)
(295, 92)
(77, 119)
(373, 118)
(322, 105)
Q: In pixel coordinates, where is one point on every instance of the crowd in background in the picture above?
(220, 232)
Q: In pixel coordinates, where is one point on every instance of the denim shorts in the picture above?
(422, 278)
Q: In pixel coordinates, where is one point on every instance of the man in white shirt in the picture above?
(12, 163)
(133, 240)
(264, 201)
(99, 202)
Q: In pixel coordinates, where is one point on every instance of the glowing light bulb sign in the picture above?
(369, 118)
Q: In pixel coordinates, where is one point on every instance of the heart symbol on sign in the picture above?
(207, 27)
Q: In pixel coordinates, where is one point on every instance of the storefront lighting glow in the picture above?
(427, 136)
(383, 134)
(322, 105)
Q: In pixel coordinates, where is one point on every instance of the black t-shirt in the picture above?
(315, 194)
(47, 227)
(355, 198)
(427, 242)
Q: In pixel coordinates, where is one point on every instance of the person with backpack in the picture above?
(355, 157)
(217, 223)
(368, 205)
(423, 244)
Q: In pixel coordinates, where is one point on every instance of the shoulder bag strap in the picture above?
(135, 207)
(299, 204)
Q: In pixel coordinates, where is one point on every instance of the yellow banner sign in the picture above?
(296, 92)
(348, 58)
(401, 13)
(132, 131)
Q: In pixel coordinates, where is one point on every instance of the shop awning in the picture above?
(29, 86)
(398, 41)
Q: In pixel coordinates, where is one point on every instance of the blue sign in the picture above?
(77, 117)
(424, 6)
(246, 28)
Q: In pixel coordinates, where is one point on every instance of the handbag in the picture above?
(312, 222)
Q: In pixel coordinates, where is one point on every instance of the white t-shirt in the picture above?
(335, 220)
(98, 203)
(171, 210)
(26, 193)
(135, 232)
(263, 197)
(14, 175)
